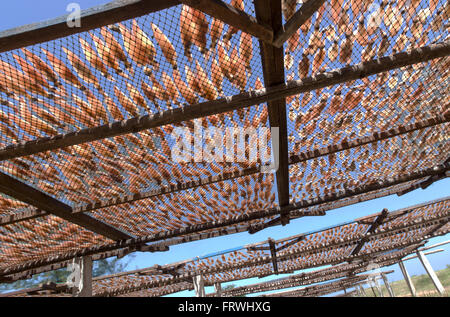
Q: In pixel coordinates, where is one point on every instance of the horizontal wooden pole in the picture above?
(227, 104)
(99, 16)
(233, 17)
(300, 17)
(25, 193)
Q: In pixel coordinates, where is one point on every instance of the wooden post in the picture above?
(371, 284)
(407, 279)
(199, 286)
(218, 289)
(388, 286)
(80, 277)
(426, 264)
(380, 291)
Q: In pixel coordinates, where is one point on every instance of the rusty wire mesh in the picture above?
(178, 57)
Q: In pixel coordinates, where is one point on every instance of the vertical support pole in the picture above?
(380, 291)
(199, 286)
(388, 286)
(80, 277)
(408, 280)
(218, 289)
(372, 287)
(426, 264)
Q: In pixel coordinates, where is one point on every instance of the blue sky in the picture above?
(30, 11)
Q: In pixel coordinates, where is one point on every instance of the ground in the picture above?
(422, 283)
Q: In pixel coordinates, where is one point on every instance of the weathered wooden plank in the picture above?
(112, 12)
(227, 104)
(269, 12)
(293, 159)
(307, 9)
(233, 17)
(21, 216)
(168, 189)
(377, 222)
(42, 201)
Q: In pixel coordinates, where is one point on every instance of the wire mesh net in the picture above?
(179, 57)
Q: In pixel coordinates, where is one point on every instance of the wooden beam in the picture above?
(227, 104)
(300, 17)
(434, 245)
(293, 159)
(42, 201)
(377, 222)
(269, 12)
(426, 264)
(112, 12)
(233, 17)
(290, 243)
